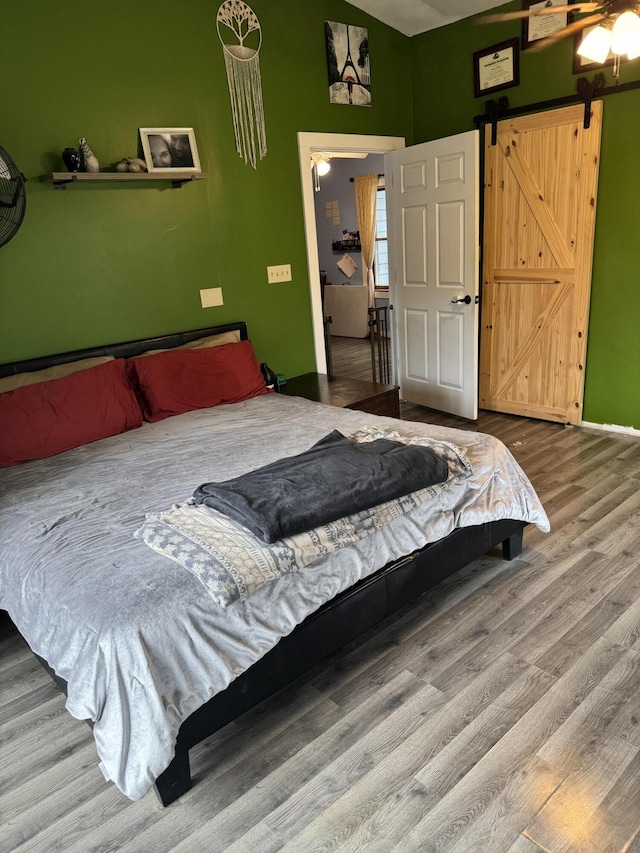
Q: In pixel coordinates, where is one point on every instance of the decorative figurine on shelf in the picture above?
(131, 164)
(136, 164)
(71, 159)
(350, 238)
(89, 159)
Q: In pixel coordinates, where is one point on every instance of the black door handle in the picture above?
(466, 299)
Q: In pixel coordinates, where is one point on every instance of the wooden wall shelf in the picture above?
(339, 246)
(177, 179)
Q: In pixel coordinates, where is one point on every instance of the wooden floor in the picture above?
(501, 712)
(351, 357)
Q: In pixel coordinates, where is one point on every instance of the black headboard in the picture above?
(122, 350)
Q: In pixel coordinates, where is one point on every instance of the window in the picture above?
(382, 255)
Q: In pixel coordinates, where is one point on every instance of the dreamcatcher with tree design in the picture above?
(241, 38)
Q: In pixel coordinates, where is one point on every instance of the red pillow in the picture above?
(181, 380)
(49, 417)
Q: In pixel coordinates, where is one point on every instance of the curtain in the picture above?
(366, 188)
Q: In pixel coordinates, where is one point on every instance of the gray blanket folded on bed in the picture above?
(334, 478)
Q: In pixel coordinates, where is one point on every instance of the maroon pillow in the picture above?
(180, 380)
(49, 417)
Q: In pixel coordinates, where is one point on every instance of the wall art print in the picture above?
(349, 64)
(240, 34)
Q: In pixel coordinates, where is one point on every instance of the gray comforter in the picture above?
(137, 637)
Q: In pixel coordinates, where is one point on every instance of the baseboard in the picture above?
(612, 428)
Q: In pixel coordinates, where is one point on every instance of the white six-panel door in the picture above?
(433, 213)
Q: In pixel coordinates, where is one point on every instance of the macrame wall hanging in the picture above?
(241, 37)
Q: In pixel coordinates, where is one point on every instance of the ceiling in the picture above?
(417, 16)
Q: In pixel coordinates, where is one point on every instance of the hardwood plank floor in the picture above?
(351, 357)
(498, 714)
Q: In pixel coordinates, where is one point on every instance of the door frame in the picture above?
(309, 141)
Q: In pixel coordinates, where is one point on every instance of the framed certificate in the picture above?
(580, 64)
(540, 26)
(496, 67)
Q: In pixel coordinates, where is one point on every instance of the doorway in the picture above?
(353, 343)
(448, 375)
(336, 143)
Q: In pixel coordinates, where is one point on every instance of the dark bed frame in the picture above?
(336, 623)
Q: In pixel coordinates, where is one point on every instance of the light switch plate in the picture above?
(279, 273)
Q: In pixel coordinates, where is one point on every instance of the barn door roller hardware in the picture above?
(587, 91)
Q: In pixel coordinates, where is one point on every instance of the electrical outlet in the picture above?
(211, 297)
(279, 273)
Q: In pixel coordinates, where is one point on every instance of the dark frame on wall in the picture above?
(538, 27)
(580, 64)
(496, 67)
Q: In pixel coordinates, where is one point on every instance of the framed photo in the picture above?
(540, 26)
(170, 149)
(496, 67)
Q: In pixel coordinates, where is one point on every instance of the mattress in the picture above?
(137, 638)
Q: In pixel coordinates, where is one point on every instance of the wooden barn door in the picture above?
(540, 205)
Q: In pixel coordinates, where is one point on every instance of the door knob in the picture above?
(466, 299)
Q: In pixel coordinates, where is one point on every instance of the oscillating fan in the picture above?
(13, 198)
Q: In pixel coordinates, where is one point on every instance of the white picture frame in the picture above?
(170, 149)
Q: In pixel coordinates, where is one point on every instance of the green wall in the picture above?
(98, 263)
(444, 104)
(107, 262)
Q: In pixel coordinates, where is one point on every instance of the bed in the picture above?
(148, 653)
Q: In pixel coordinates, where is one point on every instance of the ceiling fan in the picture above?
(321, 162)
(615, 26)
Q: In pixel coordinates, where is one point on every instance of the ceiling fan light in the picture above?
(321, 162)
(633, 52)
(625, 35)
(596, 45)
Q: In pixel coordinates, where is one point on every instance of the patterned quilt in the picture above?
(231, 563)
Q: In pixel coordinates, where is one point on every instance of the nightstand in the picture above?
(373, 397)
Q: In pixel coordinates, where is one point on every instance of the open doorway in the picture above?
(344, 285)
(320, 228)
(435, 273)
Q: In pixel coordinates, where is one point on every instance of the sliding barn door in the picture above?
(540, 207)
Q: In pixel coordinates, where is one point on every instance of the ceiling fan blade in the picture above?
(571, 7)
(530, 13)
(505, 16)
(570, 30)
